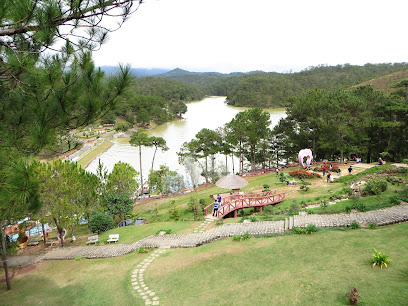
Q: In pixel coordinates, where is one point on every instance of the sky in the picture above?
(236, 35)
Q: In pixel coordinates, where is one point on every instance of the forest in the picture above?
(336, 125)
(273, 89)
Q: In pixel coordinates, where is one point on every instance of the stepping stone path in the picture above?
(201, 227)
(138, 283)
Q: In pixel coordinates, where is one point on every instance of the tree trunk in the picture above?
(4, 255)
(206, 170)
(61, 236)
(226, 163)
(233, 166)
(154, 155)
(43, 231)
(141, 175)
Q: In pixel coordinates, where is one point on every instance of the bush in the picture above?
(394, 200)
(405, 161)
(142, 250)
(355, 225)
(302, 174)
(352, 296)
(380, 259)
(372, 225)
(310, 228)
(347, 209)
(246, 236)
(375, 186)
(236, 238)
(297, 230)
(252, 218)
(174, 211)
(101, 222)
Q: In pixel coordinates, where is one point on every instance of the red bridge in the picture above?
(235, 202)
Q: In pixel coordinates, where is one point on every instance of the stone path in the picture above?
(138, 283)
(383, 216)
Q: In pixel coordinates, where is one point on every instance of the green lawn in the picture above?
(315, 269)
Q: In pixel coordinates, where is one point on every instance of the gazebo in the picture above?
(233, 182)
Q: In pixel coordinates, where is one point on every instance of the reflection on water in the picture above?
(209, 113)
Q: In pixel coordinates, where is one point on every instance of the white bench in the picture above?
(93, 239)
(113, 238)
(33, 241)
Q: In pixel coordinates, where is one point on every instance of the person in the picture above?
(350, 169)
(277, 171)
(331, 167)
(331, 178)
(324, 170)
(380, 161)
(215, 213)
(338, 172)
(328, 177)
(219, 200)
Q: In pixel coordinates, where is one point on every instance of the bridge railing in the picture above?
(245, 201)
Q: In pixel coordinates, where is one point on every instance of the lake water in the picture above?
(211, 113)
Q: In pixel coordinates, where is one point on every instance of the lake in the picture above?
(211, 113)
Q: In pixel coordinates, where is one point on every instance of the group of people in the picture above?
(217, 205)
(330, 172)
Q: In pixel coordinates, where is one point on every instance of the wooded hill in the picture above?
(273, 89)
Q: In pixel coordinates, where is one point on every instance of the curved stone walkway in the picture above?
(383, 216)
(138, 282)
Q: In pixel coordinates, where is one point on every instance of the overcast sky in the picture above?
(269, 35)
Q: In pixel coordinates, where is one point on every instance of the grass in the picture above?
(75, 282)
(315, 269)
(133, 233)
(88, 158)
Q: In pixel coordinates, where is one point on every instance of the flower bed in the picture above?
(303, 173)
(327, 165)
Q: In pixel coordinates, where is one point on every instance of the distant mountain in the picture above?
(180, 73)
(137, 72)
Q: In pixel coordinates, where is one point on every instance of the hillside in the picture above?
(272, 89)
(383, 83)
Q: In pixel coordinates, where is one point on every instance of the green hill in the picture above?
(272, 89)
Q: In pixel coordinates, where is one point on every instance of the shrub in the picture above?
(372, 225)
(309, 211)
(142, 250)
(353, 296)
(355, 225)
(236, 238)
(380, 259)
(167, 231)
(347, 209)
(394, 200)
(323, 205)
(297, 230)
(405, 161)
(375, 186)
(266, 186)
(246, 236)
(122, 126)
(242, 219)
(310, 228)
(252, 218)
(347, 190)
(302, 174)
(174, 211)
(101, 222)
(360, 207)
